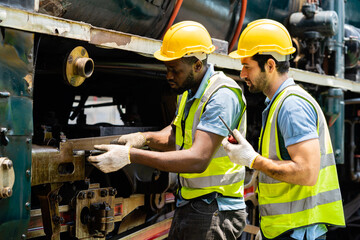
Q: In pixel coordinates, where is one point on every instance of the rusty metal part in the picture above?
(7, 177)
(94, 211)
(122, 208)
(49, 202)
(50, 165)
(36, 223)
(88, 143)
(78, 66)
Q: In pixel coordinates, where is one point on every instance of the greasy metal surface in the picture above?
(132, 16)
(49, 203)
(88, 143)
(94, 213)
(139, 17)
(50, 165)
(82, 31)
(77, 30)
(129, 204)
(16, 74)
(124, 206)
(36, 229)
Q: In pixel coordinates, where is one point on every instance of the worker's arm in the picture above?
(302, 169)
(298, 121)
(163, 140)
(193, 160)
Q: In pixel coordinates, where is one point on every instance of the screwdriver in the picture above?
(231, 137)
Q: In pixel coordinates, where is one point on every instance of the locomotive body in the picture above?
(79, 73)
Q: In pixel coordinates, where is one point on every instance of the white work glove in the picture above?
(258, 236)
(116, 157)
(136, 140)
(241, 153)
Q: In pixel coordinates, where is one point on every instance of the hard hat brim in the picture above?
(158, 55)
(235, 55)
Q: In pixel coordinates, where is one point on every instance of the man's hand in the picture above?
(115, 158)
(242, 153)
(136, 140)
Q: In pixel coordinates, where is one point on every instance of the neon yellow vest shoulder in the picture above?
(285, 206)
(221, 175)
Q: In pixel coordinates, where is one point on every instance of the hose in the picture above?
(239, 26)
(173, 15)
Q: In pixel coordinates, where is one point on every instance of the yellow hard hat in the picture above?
(263, 36)
(184, 38)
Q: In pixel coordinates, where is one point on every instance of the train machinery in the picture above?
(78, 73)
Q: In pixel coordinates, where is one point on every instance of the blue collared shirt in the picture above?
(225, 103)
(298, 122)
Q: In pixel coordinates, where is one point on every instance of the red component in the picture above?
(249, 191)
(118, 209)
(232, 139)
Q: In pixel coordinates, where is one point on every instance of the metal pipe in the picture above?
(84, 67)
(355, 175)
(339, 8)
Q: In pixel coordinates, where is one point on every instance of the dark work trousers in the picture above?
(198, 220)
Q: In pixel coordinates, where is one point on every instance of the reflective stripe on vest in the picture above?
(285, 206)
(221, 175)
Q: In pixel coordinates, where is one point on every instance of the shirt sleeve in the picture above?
(297, 120)
(225, 103)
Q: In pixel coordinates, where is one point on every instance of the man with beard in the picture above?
(298, 188)
(210, 203)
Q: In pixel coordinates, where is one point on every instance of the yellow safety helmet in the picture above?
(264, 36)
(184, 38)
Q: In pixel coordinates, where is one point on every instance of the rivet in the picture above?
(7, 164)
(28, 172)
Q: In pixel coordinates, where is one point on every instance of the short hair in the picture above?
(191, 60)
(261, 59)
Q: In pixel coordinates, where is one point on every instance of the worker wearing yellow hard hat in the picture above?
(298, 189)
(180, 40)
(210, 198)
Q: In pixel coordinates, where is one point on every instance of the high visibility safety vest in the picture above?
(285, 206)
(221, 175)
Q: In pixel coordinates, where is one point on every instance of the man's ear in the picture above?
(271, 64)
(198, 66)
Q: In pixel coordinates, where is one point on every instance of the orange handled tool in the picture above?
(231, 137)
